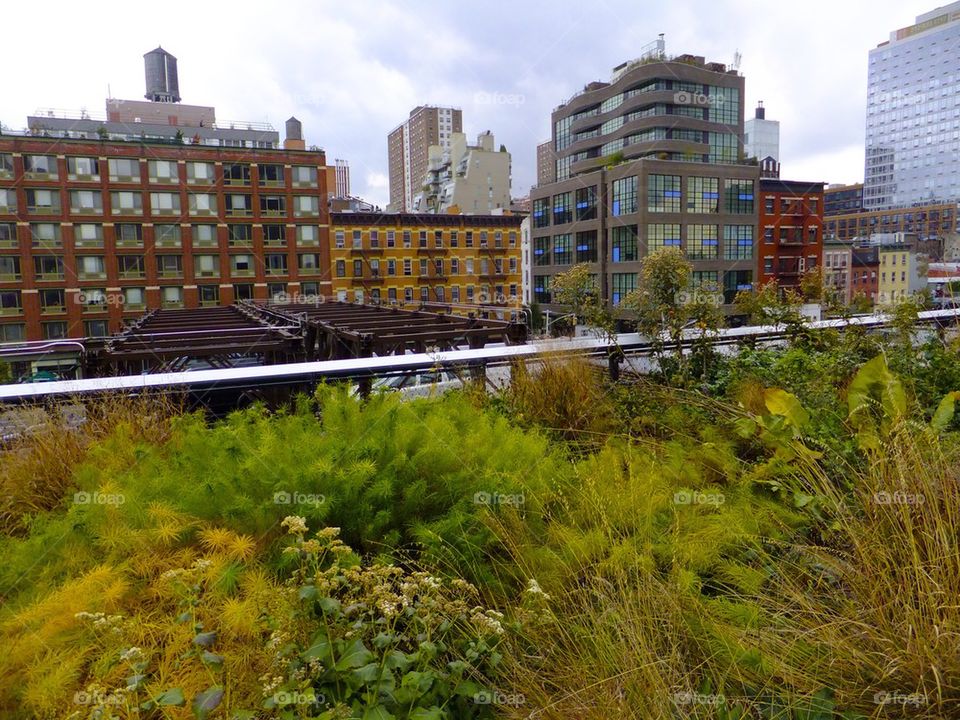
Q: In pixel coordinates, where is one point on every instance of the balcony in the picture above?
(366, 250)
(792, 238)
(372, 278)
(443, 250)
(433, 278)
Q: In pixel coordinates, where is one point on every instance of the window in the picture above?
(483, 238)
(86, 202)
(308, 263)
(703, 195)
(541, 215)
(423, 267)
(44, 202)
(126, 203)
(241, 265)
(663, 193)
(407, 267)
(171, 266)
(40, 167)
(206, 265)
(562, 249)
(586, 246)
(660, 235)
(304, 176)
(202, 204)
(454, 266)
(209, 295)
(83, 168)
(454, 239)
(9, 267)
(468, 241)
(737, 242)
(239, 234)
(271, 175)
(91, 267)
(8, 201)
(724, 106)
(162, 171)
(92, 299)
(422, 239)
(541, 251)
(622, 284)
(134, 298)
(124, 169)
(391, 267)
(10, 303)
(48, 267)
(391, 238)
(236, 174)
(6, 165)
(128, 234)
(95, 328)
(623, 243)
(586, 207)
(541, 288)
(739, 196)
(374, 239)
(310, 288)
(8, 235)
(340, 239)
(438, 238)
(768, 235)
(357, 240)
(306, 206)
(702, 242)
(204, 235)
(238, 204)
(724, 147)
(45, 235)
(341, 268)
(624, 197)
(171, 297)
(276, 263)
(130, 266)
(273, 205)
(734, 281)
(308, 235)
(562, 208)
(199, 173)
(274, 235)
(54, 330)
(165, 203)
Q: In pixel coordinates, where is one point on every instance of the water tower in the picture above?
(161, 74)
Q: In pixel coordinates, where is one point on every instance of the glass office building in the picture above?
(913, 114)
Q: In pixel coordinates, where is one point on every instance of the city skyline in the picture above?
(352, 81)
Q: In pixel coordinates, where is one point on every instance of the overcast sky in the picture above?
(352, 71)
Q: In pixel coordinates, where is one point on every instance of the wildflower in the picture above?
(533, 587)
(131, 654)
(201, 564)
(329, 533)
(294, 524)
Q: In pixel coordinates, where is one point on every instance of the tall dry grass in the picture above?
(37, 466)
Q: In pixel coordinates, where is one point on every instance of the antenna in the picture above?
(737, 57)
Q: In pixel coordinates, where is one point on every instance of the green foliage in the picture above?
(577, 290)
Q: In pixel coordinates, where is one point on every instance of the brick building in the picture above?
(791, 230)
(93, 232)
(417, 258)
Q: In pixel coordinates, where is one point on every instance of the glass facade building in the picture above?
(913, 114)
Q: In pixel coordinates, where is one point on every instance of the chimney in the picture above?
(294, 135)
(761, 113)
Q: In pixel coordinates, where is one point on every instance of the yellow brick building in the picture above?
(899, 274)
(410, 259)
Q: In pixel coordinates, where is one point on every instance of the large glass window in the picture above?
(703, 195)
(663, 193)
(734, 281)
(587, 246)
(702, 242)
(724, 147)
(737, 242)
(562, 208)
(541, 214)
(621, 285)
(660, 235)
(562, 249)
(739, 196)
(587, 203)
(541, 288)
(541, 251)
(724, 105)
(624, 200)
(623, 243)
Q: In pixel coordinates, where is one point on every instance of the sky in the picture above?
(352, 71)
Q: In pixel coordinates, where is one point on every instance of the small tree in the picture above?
(811, 285)
(5, 375)
(769, 305)
(577, 290)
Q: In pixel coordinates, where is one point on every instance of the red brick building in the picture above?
(92, 233)
(791, 230)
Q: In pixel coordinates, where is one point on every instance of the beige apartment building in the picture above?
(408, 150)
(468, 179)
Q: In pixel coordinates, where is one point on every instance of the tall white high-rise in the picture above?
(913, 114)
(761, 137)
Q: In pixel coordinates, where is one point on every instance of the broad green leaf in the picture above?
(321, 649)
(207, 701)
(378, 712)
(432, 713)
(173, 696)
(780, 402)
(944, 413)
(354, 655)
